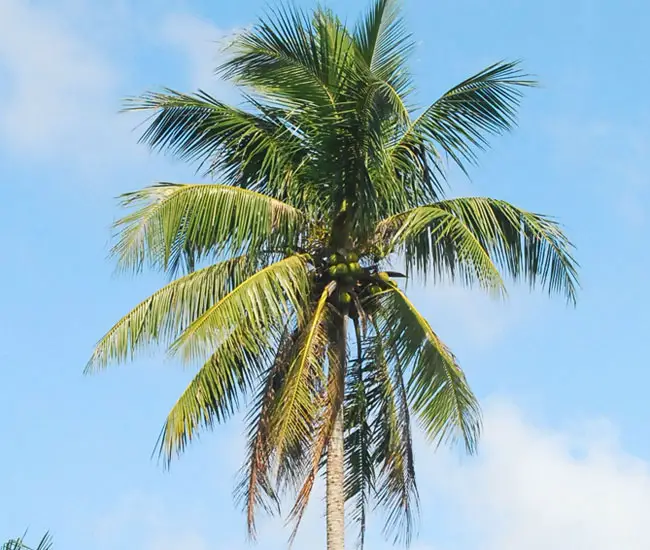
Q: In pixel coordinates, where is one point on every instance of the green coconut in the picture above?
(355, 268)
(384, 276)
(334, 258)
(342, 269)
(352, 257)
(345, 297)
(332, 271)
(375, 289)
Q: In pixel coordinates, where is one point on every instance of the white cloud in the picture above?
(537, 489)
(62, 73)
(57, 86)
(530, 487)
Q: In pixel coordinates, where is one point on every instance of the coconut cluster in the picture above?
(346, 270)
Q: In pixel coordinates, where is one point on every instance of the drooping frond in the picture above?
(255, 487)
(216, 391)
(176, 223)
(261, 302)
(395, 488)
(474, 235)
(329, 406)
(253, 148)
(460, 121)
(162, 317)
(359, 467)
(435, 242)
(437, 389)
(241, 330)
(294, 413)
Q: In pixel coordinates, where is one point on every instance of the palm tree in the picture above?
(329, 175)
(19, 544)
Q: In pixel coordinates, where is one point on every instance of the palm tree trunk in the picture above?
(335, 490)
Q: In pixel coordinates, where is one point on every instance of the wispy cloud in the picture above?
(63, 84)
(58, 87)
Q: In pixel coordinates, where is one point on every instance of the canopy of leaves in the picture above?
(328, 173)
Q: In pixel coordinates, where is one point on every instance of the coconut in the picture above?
(355, 268)
(342, 269)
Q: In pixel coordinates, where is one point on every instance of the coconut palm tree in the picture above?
(330, 180)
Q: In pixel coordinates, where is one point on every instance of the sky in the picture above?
(564, 462)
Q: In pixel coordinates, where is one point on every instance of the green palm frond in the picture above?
(243, 328)
(19, 544)
(436, 242)
(460, 120)
(215, 392)
(294, 413)
(474, 235)
(438, 392)
(384, 45)
(253, 148)
(260, 303)
(330, 403)
(292, 58)
(176, 222)
(163, 317)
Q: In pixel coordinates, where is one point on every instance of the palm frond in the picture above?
(329, 404)
(461, 119)
(256, 150)
(176, 222)
(19, 544)
(285, 58)
(435, 242)
(475, 235)
(384, 44)
(255, 488)
(163, 317)
(243, 328)
(294, 413)
(216, 391)
(437, 389)
(260, 303)
(396, 491)
(359, 466)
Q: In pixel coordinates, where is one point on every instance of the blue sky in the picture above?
(565, 461)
